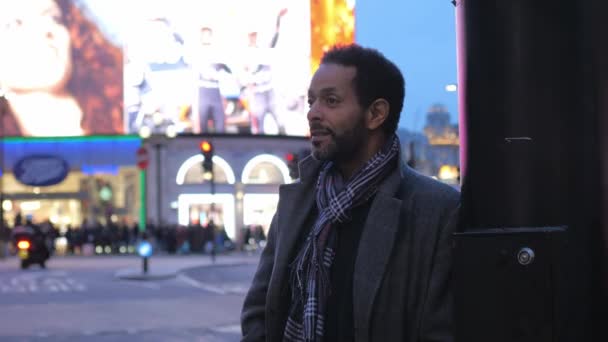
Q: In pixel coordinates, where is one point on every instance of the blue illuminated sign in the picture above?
(41, 170)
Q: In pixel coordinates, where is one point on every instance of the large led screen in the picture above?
(82, 67)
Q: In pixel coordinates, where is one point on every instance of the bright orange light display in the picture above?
(332, 23)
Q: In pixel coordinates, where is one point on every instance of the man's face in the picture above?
(336, 120)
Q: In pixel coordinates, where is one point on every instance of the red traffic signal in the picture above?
(206, 146)
(290, 157)
(207, 152)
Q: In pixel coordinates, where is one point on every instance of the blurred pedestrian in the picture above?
(210, 240)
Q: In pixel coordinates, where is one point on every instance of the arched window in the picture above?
(265, 169)
(191, 171)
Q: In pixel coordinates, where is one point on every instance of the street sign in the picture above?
(142, 158)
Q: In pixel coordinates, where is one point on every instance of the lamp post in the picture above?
(156, 141)
(159, 203)
(3, 106)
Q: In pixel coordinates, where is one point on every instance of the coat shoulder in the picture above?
(426, 191)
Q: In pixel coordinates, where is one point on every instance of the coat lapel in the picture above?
(374, 250)
(296, 201)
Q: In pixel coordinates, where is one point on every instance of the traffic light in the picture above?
(207, 151)
(292, 163)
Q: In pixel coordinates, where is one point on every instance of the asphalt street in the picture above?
(78, 298)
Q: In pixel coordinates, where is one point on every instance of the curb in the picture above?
(132, 274)
(137, 274)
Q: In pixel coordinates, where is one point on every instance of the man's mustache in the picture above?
(319, 129)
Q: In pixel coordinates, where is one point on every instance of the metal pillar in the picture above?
(159, 180)
(533, 78)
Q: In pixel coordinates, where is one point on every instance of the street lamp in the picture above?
(3, 111)
(451, 88)
(156, 140)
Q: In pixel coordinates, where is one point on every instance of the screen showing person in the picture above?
(235, 67)
(60, 74)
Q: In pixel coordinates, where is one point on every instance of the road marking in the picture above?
(197, 284)
(75, 285)
(234, 328)
(151, 286)
(237, 289)
(41, 282)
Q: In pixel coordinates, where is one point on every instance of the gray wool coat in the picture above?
(401, 282)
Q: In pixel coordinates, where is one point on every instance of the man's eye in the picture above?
(310, 101)
(332, 101)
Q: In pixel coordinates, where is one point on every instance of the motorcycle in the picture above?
(31, 252)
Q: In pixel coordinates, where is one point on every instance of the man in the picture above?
(258, 78)
(210, 72)
(359, 248)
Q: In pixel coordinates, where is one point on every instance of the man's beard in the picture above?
(343, 146)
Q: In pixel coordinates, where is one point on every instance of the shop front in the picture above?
(71, 182)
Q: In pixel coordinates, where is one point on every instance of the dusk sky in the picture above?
(420, 37)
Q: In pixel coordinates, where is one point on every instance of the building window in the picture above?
(266, 169)
(191, 171)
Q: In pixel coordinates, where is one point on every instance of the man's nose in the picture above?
(313, 112)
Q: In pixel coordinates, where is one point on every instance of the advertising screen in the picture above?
(163, 67)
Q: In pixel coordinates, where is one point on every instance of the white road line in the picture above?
(151, 286)
(75, 285)
(199, 285)
(234, 328)
(63, 287)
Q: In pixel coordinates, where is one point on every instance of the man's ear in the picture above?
(377, 113)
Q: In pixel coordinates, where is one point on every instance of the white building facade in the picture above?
(247, 174)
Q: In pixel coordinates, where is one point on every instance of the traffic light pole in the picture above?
(3, 105)
(157, 147)
(212, 184)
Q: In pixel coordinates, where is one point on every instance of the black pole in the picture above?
(3, 107)
(145, 264)
(159, 202)
(212, 228)
(532, 164)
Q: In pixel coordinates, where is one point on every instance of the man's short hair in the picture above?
(376, 78)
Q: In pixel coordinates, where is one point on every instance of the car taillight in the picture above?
(23, 244)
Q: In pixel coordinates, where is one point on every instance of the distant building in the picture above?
(415, 150)
(436, 151)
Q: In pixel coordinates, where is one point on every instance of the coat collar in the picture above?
(375, 248)
(295, 204)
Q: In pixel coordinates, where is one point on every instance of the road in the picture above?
(84, 298)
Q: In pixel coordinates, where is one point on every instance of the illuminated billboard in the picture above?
(163, 67)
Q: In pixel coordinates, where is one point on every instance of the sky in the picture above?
(420, 37)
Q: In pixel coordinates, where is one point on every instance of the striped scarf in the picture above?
(310, 271)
